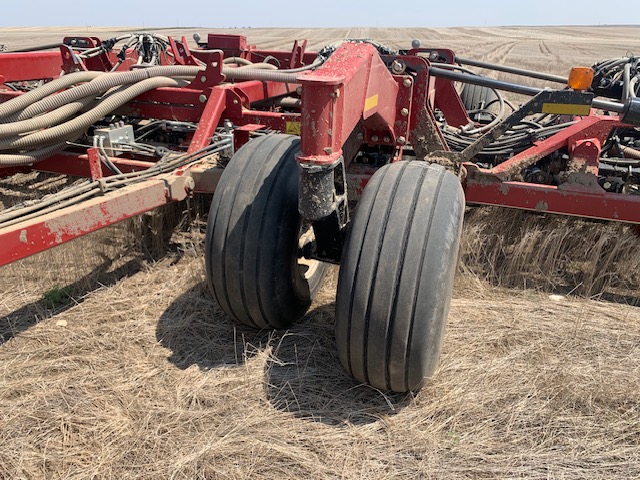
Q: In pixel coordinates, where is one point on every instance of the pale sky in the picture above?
(327, 13)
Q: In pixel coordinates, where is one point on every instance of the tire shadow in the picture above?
(302, 373)
(304, 377)
(198, 333)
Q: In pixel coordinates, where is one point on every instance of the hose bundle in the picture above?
(22, 142)
(86, 189)
(617, 78)
(39, 123)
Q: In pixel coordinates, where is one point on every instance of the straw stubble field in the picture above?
(115, 362)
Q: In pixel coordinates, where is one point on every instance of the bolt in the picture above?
(407, 82)
(299, 90)
(404, 112)
(402, 140)
(203, 98)
(203, 78)
(235, 101)
(360, 136)
(397, 67)
(387, 139)
(374, 138)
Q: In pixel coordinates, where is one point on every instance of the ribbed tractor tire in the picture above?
(396, 275)
(252, 241)
(476, 96)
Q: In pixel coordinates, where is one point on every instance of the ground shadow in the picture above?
(71, 295)
(302, 375)
(198, 333)
(625, 298)
(149, 239)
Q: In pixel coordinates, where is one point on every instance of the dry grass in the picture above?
(136, 373)
(146, 378)
(512, 248)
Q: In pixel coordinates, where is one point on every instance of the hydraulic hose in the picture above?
(258, 66)
(516, 71)
(630, 152)
(316, 63)
(632, 87)
(243, 62)
(27, 158)
(626, 81)
(20, 210)
(42, 121)
(103, 83)
(237, 60)
(498, 117)
(99, 49)
(262, 75)
(46, 100)
(70, 129)
(26, 99)
(494, 122)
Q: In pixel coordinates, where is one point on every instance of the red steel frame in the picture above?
(351, 100)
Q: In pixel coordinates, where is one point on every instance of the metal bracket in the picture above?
(322, 198)
(70, 61)
(179, 187)
(212, 74)
(181, 52)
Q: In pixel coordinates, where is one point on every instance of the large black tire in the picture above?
(253, 231)
(477, 96)
(396, 275)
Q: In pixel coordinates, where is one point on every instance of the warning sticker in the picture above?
(293, 128)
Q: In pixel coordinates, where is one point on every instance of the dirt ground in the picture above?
(115, 362)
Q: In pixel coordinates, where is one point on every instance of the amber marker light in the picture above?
(580, 78)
